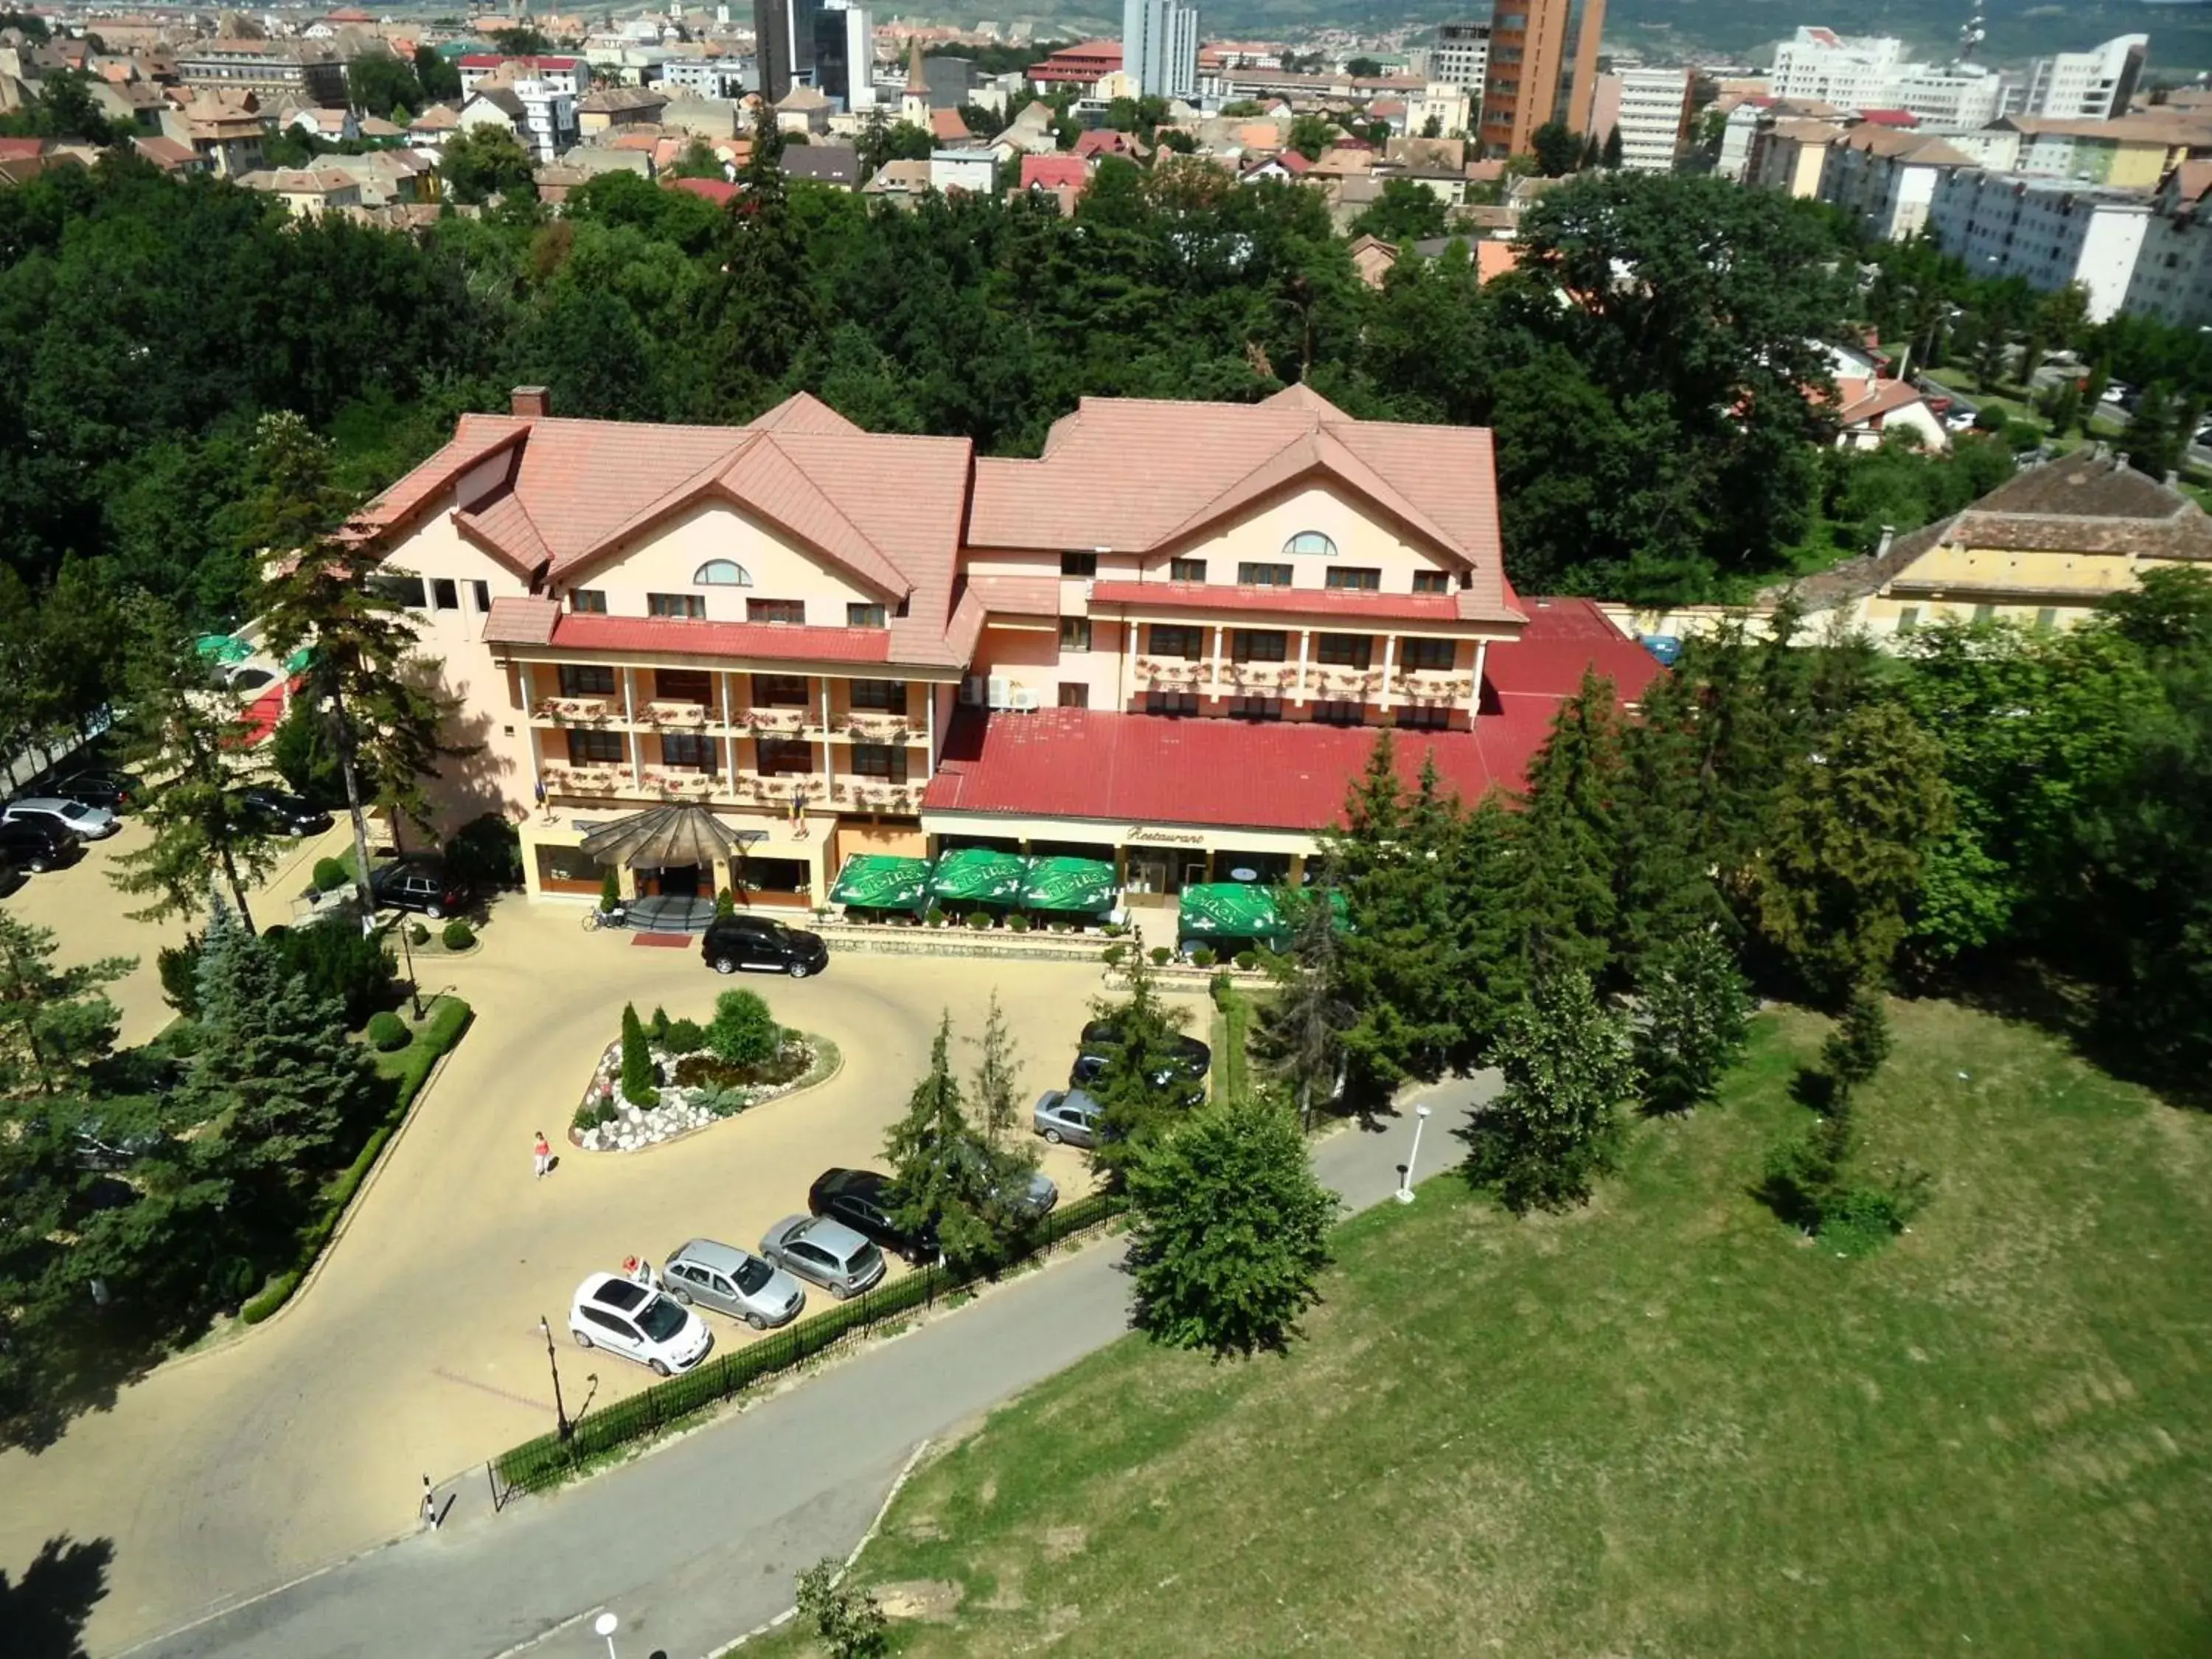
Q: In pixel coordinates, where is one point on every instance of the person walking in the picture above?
(541, 1155)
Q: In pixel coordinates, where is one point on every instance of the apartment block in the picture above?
(1650, 110)
(1460, 55)
(2049, 232)
(2086, 86)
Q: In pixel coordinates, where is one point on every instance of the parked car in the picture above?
(1033, 1197)
(1189, 1058)
(418, 881)
(862, 1199)
(733, 1281)
(762, 944)
(110, 791)
(37, 846)
(85, 823)
(282, 814)
(11, 877)
(1068, 1117)
(826, 1253)
(638, 1323)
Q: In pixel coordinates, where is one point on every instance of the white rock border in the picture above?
(679, 1112)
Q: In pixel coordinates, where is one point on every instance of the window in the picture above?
(1346, 650)
(883, 761)
(406, 591)
(445, 593)
(856, 615)
(1075, 633)
(776, 611)
(1346, 576)
(1174, 639)
(1186, 570)
(886, 696)
(1079, 564)
(1263, 575)
(721, 573)
(1171, 702)
(1431, 581)
(1255, 708)
(691, 749)
(587, 680)
(1258, 645)
(778, 690)
(481, 592)
(1074, 694)
(1310, 544)
(1908, 619)
(1424, 720)
(2047, 618)
(689, 606)
(1433, 655)
(588, 601)
(1337, 714)
(683, 685)
(595, 748)
(784, 757)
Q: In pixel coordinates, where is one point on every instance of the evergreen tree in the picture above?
(274, 1084)
(1697, 1010)
(1229, 1231)
(1856, 1047)
(1610, 154)
(950, 1179)
(1300, 1032)
(1488, 973)
(1854, 832)
(1665, 872)
(1568, 831)
(1142, 1091)
(56, 1023)
(2154, 436)
(1554, 1129)
(997, 1074)
(639, 1077)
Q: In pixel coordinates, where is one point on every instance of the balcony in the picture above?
(775, 722)
(1433, 684)
(561, 780)
(573, 711)
(1171, 674)
(1263, 677)
(681, 782)
(679, 716)
(872, 725)
(1341, 685)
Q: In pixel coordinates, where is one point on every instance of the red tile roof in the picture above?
(494, 60)
(1565, 636)
(674, 636)
(715, 189)
(1054, 172)
(1306, 601)
(946, 125)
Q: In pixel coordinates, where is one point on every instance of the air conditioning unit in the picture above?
(971, 691)
(1023, 701)
(999, 688)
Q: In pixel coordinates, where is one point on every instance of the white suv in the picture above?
(626, 1317)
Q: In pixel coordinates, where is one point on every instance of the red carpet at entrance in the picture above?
(661, 939)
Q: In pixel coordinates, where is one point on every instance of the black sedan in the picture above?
(281, 814)
(33, 845)
(114, 791)
(862, 1199)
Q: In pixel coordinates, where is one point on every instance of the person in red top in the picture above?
(541, 1154)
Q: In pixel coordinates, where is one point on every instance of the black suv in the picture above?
(861, 1200)
(762, 944)
(419, 881)
(112, 791)
(279, 814)
(35, 845)
(1101, 1040)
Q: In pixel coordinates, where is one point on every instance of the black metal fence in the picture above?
(551, 1458)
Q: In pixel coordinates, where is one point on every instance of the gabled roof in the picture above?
(945, 125)
(1053, 172)
(1143, 475)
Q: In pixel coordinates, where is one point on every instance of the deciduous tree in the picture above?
(1695, 1011)
(948, 1178)
(1554, 1129)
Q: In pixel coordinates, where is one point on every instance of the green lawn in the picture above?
(1662, 1425)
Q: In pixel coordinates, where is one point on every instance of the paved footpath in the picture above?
(699, 1542)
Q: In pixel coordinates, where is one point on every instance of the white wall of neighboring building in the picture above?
(2086, 86)
(2173, 280)
(1460, 55)
(2046, 231)
(1654, 104)
(1160, 47)
(1851, 73)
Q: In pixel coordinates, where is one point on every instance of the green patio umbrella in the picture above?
(298, 661)
(878, 881)
(978, 875)
(223, 648)
(1070, 884)
(1230, 909)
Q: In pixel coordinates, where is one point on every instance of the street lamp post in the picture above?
(563, 1427)
(1405, 1192)
(604, 1625)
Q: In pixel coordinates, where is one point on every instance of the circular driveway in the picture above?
(415, 1350)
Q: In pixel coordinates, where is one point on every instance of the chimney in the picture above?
(529, 402)
(1888, 535)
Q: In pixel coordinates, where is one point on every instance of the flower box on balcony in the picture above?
(775, 720)
(573, 711)
(675, 714)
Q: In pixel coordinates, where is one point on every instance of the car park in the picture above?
(1068, 1117)
(762, 945)
(826, 1253)
(278, 813)
(111, 792)
(38, 846)
(85, 823)
(863, 1200)
(638, 1323)
(418, 881)
(733, 1281)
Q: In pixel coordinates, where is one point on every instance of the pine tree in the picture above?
(1856, 1047)
(1229, 1231)
(274, 1082)
(56, 1023)
(1300, 1032)
(1483, 875)
(1665, 874)
(950, 1180)
(997, 1074)
(1611, 153)
(1554, 1129)
(2154, 438)
(1142, 1091)
(1697, 1010)
(639, 1077)
(1568, 834)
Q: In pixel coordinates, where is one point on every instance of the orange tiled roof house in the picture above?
(1076, 652)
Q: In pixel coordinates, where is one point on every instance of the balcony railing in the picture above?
(667, 712)
(774, 721)
(771, 791)
(585, 780)
(1262, 676)
(1171, 674)
(1433, 684)
(865, 725)
(573, 711)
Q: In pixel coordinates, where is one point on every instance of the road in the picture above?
(699, 1542)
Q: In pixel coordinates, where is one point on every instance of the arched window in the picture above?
(721, 573)
(1311, 543)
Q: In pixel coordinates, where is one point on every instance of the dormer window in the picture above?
(1310, 544)
(721, 573)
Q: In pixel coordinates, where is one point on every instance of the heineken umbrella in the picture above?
(298, 661)
(978, 875)
(877, 881)
(662, 838)
(223, 648)
(1230, 909)
(1069, 884)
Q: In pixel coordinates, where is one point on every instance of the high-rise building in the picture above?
(783, 44)
(1525, 83)
(845, 55)
(1160, 47)
(2086, 86)
(1650, 108)
(1462, 55)
(1872, 72)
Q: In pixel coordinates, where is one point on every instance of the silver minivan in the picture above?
(1067, 1116)
(733, 1281)
(826, 1253)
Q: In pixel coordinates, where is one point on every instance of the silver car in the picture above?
(1068, 1117)
(826, 1253)
(86, 823)
(733, 1281)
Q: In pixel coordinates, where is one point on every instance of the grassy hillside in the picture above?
(1664, 1425)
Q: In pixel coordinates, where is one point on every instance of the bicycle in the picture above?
(595, 919)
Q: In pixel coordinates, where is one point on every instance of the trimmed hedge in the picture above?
(458, 935)
(387, 1032)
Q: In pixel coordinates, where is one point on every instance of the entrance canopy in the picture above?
(1069, 884)
(663, 838)
(878, 881)
(978, 875)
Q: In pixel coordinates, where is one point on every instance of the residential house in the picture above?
(276, 71)
(541, 116)
(604, 107)
(307, 192)
(802, 110)
(836, 164)
(1029, 133)
(1106, 140)
(570, 75)
(1791, 155)
(1282, 166)
(1885, 179)
(430, 129)
(1867, 409)
(1167, 641)
(948, 131)
(973, 171)
(223, 129)
(333, 126)
(1064, 178)
(385, 178)
(900, 183)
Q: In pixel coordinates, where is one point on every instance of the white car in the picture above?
(85, 823)
(638, 1323)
